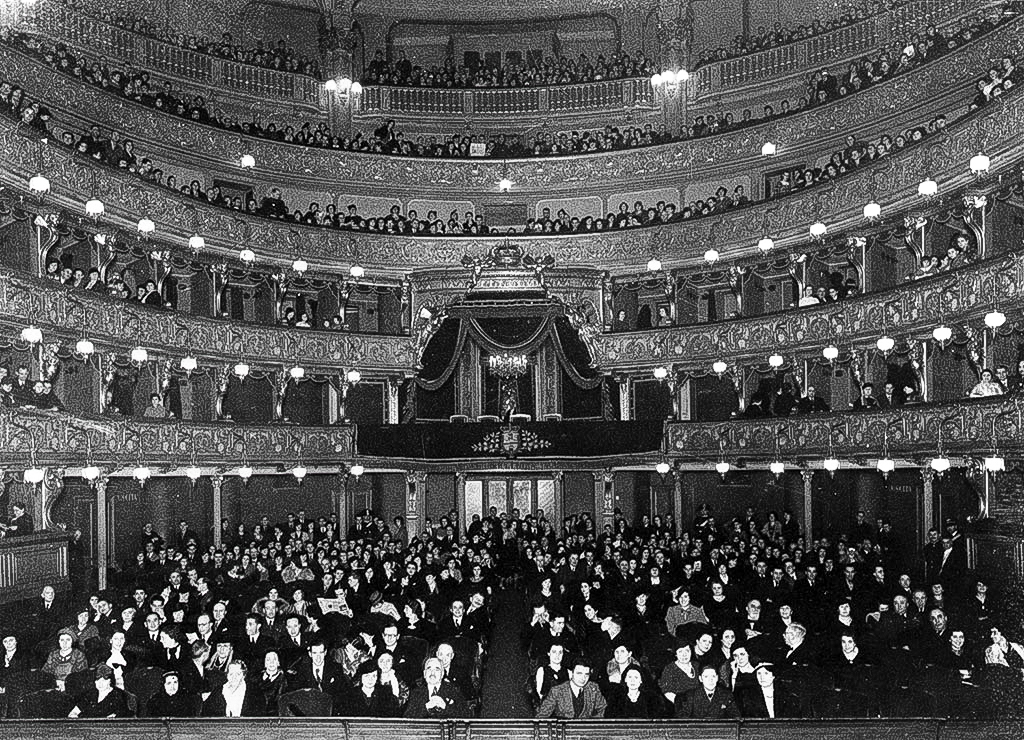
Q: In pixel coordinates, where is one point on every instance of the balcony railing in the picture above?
(830, 48)
(590, 96)
(93, 36)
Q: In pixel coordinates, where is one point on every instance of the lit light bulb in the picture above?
(140, 355)
(830, 353)
(32, 335)
(39, 185)
(719, 367)
(818, 230)
(886, 465)
(995, 319)
(940, 464)
(980, 163)
(94, 208)
(662, 468)
(245, 472)
(356, 88)
(722, 467)
(654, 264)
(356, 470)
(777, 467)
(344, 84)
(242, 370)
(142, 474)
(711, 256)
(34, 476)
(299, 472)
(872, 211)
(504, 185)
(331, 86)
(769, 149)
(146, 226)
(297, 373)
(928, 188)
(196, 242)
(90, 473)
(885, 343)
(300, 266)
(188, 363)
(660, 373)
(656, 79)
(995, 464)
(942, 334)
(193, 473)
(357, 271)
(830, 464)
(247, 161)
(353, 376)
(247, 255)
(85, 347)
(776, 361)
(766, 244)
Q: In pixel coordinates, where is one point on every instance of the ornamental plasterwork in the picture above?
(64, 439)
(892, 182)
(913, 308)
(123, 325)
(909, 431)
(880, 109)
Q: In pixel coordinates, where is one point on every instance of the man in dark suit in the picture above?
(798, 650)
(316, 672)
(710, 700)
(454, 624)
(766, 699)
(577, 698)
(436, 698)
(252, 646)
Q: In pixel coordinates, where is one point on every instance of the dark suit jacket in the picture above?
(252, 704)
(752, 702)
(456, 705)
(558, 702)
(695, 705)
(333, 683)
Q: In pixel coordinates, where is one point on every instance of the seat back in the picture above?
(143, 683)
(46, 704)
(305, 703)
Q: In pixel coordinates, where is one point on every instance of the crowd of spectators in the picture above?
(743, 618)
(21, 391)
(768, 38)
(279, 56)
(823, 87)
(542, 72)
(1001, 78)
(293, 617)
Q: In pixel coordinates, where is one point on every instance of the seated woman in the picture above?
(986, 387)
(633, 700)
(368, 698)
(680, 676)
(171, 700)
(235, 698)
(118, 658)
(66, 659)
(271, 683)
(387, 678)
(83, 629)
(554, 672)
(106, 701)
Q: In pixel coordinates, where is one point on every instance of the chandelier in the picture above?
(508, 366)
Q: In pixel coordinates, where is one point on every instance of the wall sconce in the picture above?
(818, 230)
(34, 476)
(299, 266)
(928, 188)
(711, 256)
(995, 464)
(662, 468)
(777, 468)
(885, 344)
(769, 149)
(654, 264)
(94, 208)
(142, 473)
(139, 356)
(660, 373)
(297, 373)
(942, 334)
(39, 185)
(299, 471)
(722, 468)
(766, 244)
(356, 470)
(247, 162)
(242, 370)
(776, 361)
(830, 353)
(245, 473)
(247, 256)
(31, 335)
(90, 473)
(196, 243)
(84, 349)
(872, 211)
(357, 271)
(885, 465)
(193, 473)
(146, 227)
(939, 464)
(188, 365)
(719, 367)
(994, 319)
(980, 164)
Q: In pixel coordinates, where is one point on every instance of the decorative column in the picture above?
(460, 505)
(49, 491)
(808, 476)
(102, 533)
(340, 503)
(927, 503)
(415, 483)
(217, 481)
(625, 391)
(604, 495)
(559, 495)
(677, 496)
(392, 389)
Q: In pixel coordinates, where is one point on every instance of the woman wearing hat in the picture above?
(106, 701)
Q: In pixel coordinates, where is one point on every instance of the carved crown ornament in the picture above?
(879, 109)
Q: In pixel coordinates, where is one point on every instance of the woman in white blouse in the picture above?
(235, 698)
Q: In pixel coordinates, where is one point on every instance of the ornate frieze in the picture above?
(911, 310)
(909, 433)
(887, 107)
(121, 325)
(65, 441)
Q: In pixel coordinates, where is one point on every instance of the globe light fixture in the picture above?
(995, 464)
(247, 256)
(139, 356)
(94, 208)
(31, 335)
(84, 347)
(356, 470)
(188, 363)
(353, 376)
(344, 84)
(193, 473)
(196, 243)
(357, 271)
(711, 256)
(662, 468)
(356, 88)
(775, 361)
(830, 353)
(247, 162)
(33, 476)
(777, 467)
(940, 464)
(297, 372)
(818, 230)
(654, 264)
(722, 467)
(885, 466)
(245, 472)
(300, 266)
(504, 185)
(872, 211)
(885, 344)
(766, 244)
(769, 149)
(39, 185)
(656, 79)
(995, 319)
(299, 471)
(942, 334)
(146, 226)
(331, 86)
(242, 369)
(719, 367)
(90, 473)
(830, 464)
(928, 188)
(660, 373)
(980, 164)
(142, 473)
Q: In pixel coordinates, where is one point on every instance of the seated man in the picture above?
(577, 698)
(710, 700)
(436, 698)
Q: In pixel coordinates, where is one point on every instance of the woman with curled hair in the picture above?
(235, 698)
